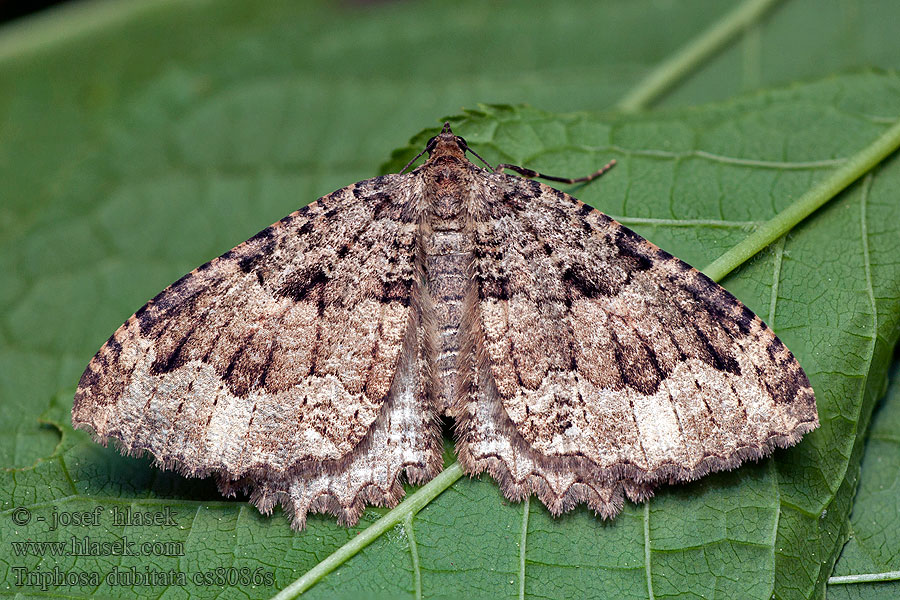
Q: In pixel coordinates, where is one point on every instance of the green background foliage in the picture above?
(138, 140)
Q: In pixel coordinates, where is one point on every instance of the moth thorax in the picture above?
(447, 206)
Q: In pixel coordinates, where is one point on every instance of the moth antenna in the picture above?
(428, 148)
(465, 147)
(415, 158)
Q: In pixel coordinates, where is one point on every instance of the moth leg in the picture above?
(530, 173)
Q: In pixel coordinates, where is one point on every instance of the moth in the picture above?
(311, 365)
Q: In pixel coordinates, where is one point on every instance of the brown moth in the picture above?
(311, 364)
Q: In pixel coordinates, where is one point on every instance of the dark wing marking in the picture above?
(610, 365)
(277, 363)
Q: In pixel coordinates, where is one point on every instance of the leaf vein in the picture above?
(414, 555)
(526, 508)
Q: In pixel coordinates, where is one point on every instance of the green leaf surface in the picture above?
(139, 141)
(873, 551)
(771, 527)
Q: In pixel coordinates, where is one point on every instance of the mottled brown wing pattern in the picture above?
(310, 364)
(273, 366)
(607, 365)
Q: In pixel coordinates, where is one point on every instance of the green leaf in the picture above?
(772, 527)
(139, 140)
(872, 555)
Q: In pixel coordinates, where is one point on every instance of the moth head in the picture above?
(443, 145)
(446, 144)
